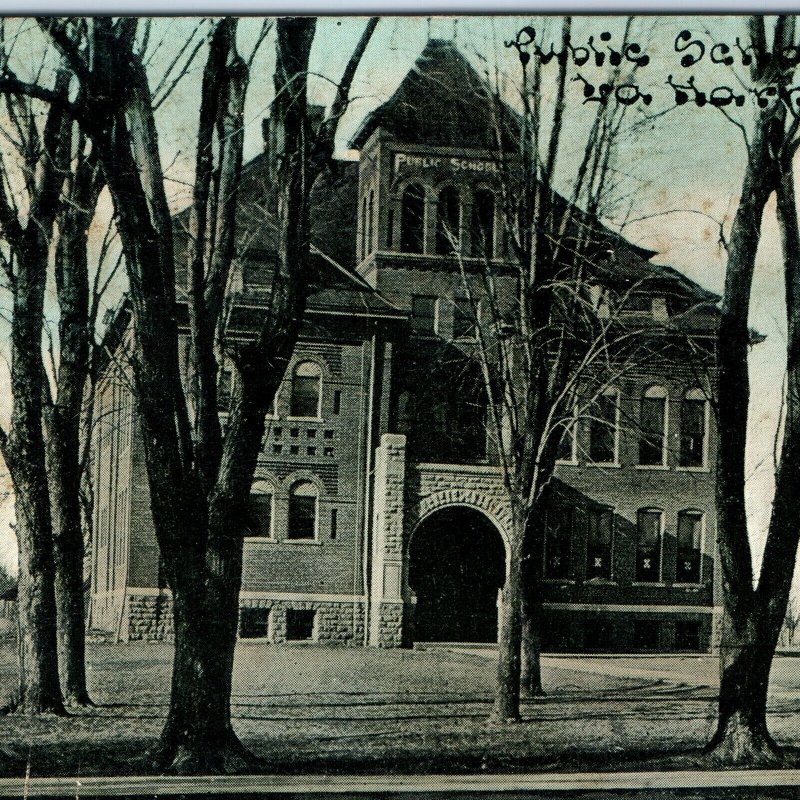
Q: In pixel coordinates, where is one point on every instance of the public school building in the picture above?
(378, 516)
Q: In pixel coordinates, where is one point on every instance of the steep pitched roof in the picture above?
(442, 102)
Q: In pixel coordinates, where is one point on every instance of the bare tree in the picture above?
(200, 491)
(753, 615)
(29, 203)
(548, 339)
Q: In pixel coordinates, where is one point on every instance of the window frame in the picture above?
(436, 316)
(270, 492)
(655, 392)
(637, 579)
(442, 245)
(303, 481)
(570, 428)
(404, 235)
(698, 513)
(320, 384)
(693, 396)
(599, 509)
(474, 222)
(569, 576)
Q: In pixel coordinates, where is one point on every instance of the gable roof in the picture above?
(442, 102)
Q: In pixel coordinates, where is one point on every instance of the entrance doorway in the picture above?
(456, 566)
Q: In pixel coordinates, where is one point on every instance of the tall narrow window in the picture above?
(412, 220)
(364, 228)
(306, 390)
(259, 513)
(558, 543)
(604, 428)
(693, 429)
(599, 544)
(448, 221)
(464, 319)
(648, 545)
(653, 421)
(370, 221)
(690, 534)
(567, 444)
(423, 315)
(482, 228)
(302, 511)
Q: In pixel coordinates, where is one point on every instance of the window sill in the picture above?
(316, 542)
(562, 581)
(693, 469)
(600, 582)
(653, 467)
(304, 419)
(659, 584)
(260, 540)
(694, 586)
(604, 464)
(573, 463)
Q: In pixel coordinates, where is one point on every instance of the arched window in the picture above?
(364, 228)
(302, 523)
(694, 429)
(412, 219)
(690, 536)
(653, 428)
(306, 390)
(448, 221)
(482, 227)
(649, 533)
(259, 511)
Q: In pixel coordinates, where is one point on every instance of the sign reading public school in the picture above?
(410, 161)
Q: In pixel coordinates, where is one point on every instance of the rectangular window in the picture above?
(337, 401)
(224, 389)
(687, 635)
(300, 624)
(690, 533)
(646, 634)
(653, 420)
(599, 543)
(464, 319)
(253, 623)
(693, 432)
(305, 396)
(302, 517)
(423, 315)
(334, 522)
(597, 634)
(558, 543)
(259, 522)
(603, 429)
(648, 546)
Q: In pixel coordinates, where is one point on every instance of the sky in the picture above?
(680, 172)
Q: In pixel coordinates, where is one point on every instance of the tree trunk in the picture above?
(531, 668)
(506, 701)
(745, 660)
(64, 478)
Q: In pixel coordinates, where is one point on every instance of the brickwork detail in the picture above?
(391, 625)
(149, 618)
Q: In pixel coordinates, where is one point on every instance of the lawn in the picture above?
(321, 709)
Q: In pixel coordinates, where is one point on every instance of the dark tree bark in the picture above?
(200, 493)
(62, 417)
(23, 446)
(753, 616)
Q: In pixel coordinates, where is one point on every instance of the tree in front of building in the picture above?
(550, 309)
(200, 485)
(754, 613)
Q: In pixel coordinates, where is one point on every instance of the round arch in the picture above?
(456, 563)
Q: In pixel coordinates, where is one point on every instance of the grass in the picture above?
(320, 709)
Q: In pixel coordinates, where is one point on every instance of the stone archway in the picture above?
(456, 565)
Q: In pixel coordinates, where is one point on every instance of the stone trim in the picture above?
(628, 609)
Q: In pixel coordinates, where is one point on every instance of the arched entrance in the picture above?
(456, 565)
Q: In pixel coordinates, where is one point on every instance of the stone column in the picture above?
(386, 596)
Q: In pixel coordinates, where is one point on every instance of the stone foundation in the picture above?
(148, 617)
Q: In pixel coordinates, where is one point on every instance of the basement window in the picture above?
(253, 623)
(300, 625)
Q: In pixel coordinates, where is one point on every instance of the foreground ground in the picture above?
(315, 709)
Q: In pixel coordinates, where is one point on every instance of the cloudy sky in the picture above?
(682, 169)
